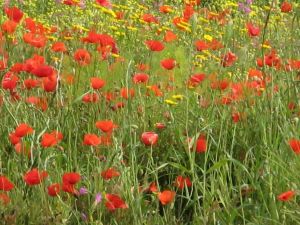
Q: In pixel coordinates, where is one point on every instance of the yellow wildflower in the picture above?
(178, 97)
(170, 102)
(208, 37)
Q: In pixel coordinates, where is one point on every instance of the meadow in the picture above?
(149, 112)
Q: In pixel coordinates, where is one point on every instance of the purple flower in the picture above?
(83, 216)
(247, 10)
(244, 8)
(98, 198)
(241, 6)
(83, 191)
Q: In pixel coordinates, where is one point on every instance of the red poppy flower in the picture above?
(201, 45)
(149, 138)
(4, 198)
(254, 73)
(215, 45)
(43, 71)
(170, 36)
(32, 100)
(9, 81)
(109, 96)
(37, 40)
(33, 26)
(201, 144)
(188, 12)
(295, 145)
(33, 62)
(20, 148)
(127, 92)
(5, 184)
(14, 14)
(14, 139)
(293, 65)
(97, 83)
(82, 56)
(196, 79)
(229, 59)
(90, 97)
(292, 106)
(140, 78)
(226, 100)
(157, 91)
(53, 189)
(92, 38)
(41, 103)
(142, 67)
(286, 196)
(114, 202)
(253, 31)
(236, 117)
(272, 59)
(23, 129)
(105, 125)
(168, 64)
(30, 83)
(91, 140)
(71, 178)
(68, 78)
(58, 135)
(50, 83)
(153, 187)
(118, 105)
(259, 62)
(15, 96)
(165, 9)
(286, 7)
(160, 126)
(69, 2)
(223, 84)
(106, 140)
(107, 44)
(9, 26)
(166, 197)
(16, 68)
(155, 46)
(48, 140)
(59, 47)
(69, 188)
(35, 177)
(182, 181)
(104, 3)
(109, 174)
(51, 139)
(149, 18)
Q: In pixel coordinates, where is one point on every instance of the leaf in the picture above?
(217, 165)
(180, 167)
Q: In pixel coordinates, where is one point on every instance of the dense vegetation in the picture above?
(149, 112)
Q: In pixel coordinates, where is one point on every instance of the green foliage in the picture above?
(246, 165)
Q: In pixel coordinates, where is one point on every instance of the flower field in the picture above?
(149, 112)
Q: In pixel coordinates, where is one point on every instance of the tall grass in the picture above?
(246, 164)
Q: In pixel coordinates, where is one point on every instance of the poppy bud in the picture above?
(149, 138)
